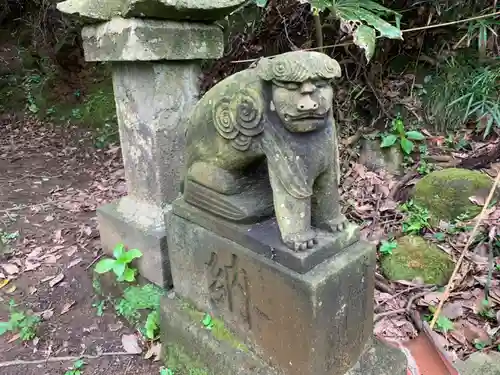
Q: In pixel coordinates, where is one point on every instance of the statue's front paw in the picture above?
(337, 225)
(301, 241)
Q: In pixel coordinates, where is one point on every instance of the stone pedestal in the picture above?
(156, 67)
(306, 321)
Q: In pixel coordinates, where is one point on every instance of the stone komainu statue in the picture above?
(265, 138)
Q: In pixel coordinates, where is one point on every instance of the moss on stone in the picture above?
(446, 193)
(177, 360)
(413, 258)
(219, 330)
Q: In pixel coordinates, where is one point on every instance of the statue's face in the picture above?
(302, 106)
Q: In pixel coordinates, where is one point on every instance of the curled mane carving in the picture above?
(239, 118)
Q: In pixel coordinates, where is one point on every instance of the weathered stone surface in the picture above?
(151, 40)
(380, 359)
(92, 10)
(177, 10)
(480, 363)
(330, 308)
(414, 258)
(150, 239)
(269, 132)
(152, 104)
(264, 238)
(376, 158)
(446, 193)
(181, 327)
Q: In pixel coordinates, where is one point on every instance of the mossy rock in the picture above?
(414, 258)
(446, 193)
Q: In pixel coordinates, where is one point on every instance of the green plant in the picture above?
(120, 264)
(100, 307)
(386, 247)
(152, 326)
(7, 238)
(207, 321)
(20, 322)
(416, 218)
(400, 136)
(76, 369)
(443, 324)
(465, 88)
(136, 302)
(362, 19)
(166, 371)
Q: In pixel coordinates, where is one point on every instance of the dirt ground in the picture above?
(51, 181)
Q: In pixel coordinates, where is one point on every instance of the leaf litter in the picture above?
(372, 199)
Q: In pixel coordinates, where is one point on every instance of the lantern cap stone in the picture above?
(92, 11)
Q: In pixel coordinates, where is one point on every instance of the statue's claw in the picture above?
(337, 225)
(301, 241)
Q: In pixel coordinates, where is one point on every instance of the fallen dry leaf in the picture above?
(56, 280)
(67, 306)
(14, 338)
(75, 262)
(154, 350)
(3, 282)
(115, 327)
(11, 290)
(47, 314)
(453, 310)
(10, 268)
(477, 200)
(31, 266)
(130, 344)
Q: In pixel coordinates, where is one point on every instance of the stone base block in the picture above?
(219, 351)
(316, 323)
(380, 359)
(115, 228)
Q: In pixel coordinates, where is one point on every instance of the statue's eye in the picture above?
(287, 85)
(321, 83)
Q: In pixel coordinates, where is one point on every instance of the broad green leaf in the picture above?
(207, 321)
(4, 327)
(407, 146)
(119, 268)
(415, 135)
(361, 11)
(261, 3)
(389, 140)
(79, 364)
(365, 38)
(152, 325)
(444, 324)
(439, 236)
(118, 250)
(387, 246)
(130, 255)
(105, 265)
(129, 275)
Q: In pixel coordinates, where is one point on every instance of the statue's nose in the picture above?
(307, 104)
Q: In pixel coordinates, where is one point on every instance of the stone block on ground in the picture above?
(269, 306)
(151, 240)
(480, 364)
(151, 40)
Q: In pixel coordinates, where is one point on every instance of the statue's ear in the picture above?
(336, 68)
(264, 69)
